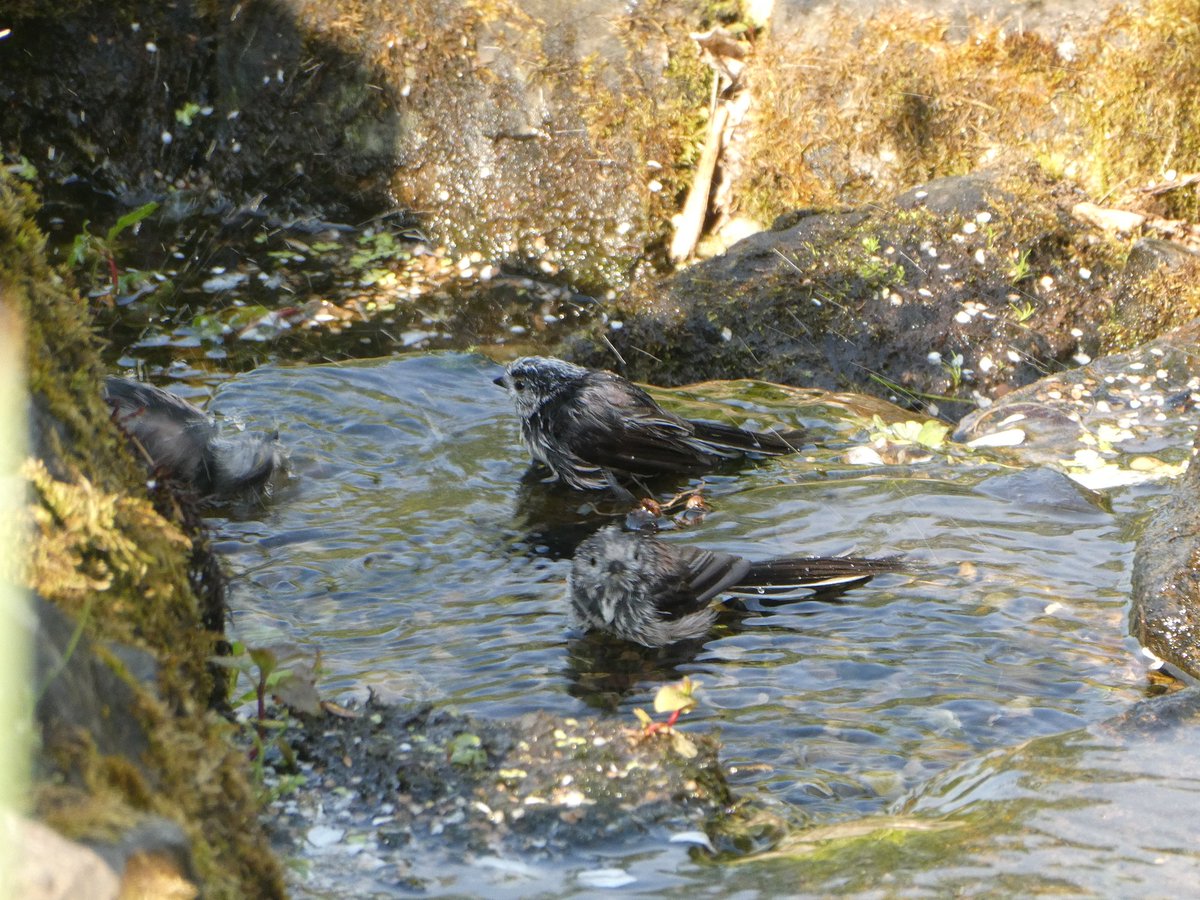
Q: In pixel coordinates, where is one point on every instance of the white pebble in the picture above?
(324, 836)
(1010, 437)
(863, 456)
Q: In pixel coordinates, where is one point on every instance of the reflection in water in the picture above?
(603, 671)
(554, 520)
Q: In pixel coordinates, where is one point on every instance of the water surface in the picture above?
(407, 549)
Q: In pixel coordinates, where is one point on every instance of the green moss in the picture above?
(1165, 298)
(1141, 106)
(104, 552)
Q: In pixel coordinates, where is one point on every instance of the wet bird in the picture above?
(592, 427)
(185, 444)
(657, 593)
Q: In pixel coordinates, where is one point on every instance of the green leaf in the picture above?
(671, 697)
(467, 750)
(264, 658)
(933, 434)
(130, 218)
(80, 246)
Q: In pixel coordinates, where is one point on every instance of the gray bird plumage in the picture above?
(656, 593)
(592, 428)
(185, 444)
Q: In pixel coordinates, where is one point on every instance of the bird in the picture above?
(655, 593)
(186, 445)
(592, 428)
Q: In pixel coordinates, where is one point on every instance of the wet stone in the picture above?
(1119, 420)
(534, 785)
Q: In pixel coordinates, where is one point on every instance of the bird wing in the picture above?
(697, 576)
(174, 433)
(617, 425)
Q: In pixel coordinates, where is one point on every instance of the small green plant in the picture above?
(24, 170)
(466, 750)
(875, 270)
(293, 684)
(954, 368)
(187, 113)
(376, 250)
(90, 251)
(1022, 312)
(1020, 268)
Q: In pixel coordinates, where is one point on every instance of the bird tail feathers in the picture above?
(781, 579)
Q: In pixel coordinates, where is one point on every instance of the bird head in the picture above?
(605, 573)
(532, 380)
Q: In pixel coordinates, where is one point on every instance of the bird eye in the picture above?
(592, 561)
(518, 385)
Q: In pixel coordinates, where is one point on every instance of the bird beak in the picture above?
(499, 382)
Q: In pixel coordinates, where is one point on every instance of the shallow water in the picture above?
(407, 550)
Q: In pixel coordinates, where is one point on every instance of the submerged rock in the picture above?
(535, 783)
(408, 792)
(1120, 419)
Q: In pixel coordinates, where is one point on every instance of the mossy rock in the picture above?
(966, 285)
(133, 571)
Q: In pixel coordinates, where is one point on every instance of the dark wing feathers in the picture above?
(699, 577)
(174, 433)
(617, 425)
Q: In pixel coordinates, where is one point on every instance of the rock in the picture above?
(49, 867)
(965, 286)
(1120, 419)
(530, 132)
(1165, 613)
(1122, 220)
(533, 786)
(1149, 254)
(128, 754)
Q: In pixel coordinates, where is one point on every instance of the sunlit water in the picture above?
(407, 550)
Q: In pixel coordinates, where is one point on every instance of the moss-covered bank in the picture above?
(122, 564)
